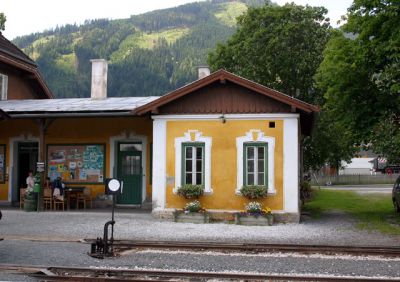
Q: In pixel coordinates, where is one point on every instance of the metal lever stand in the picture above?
(104, 246)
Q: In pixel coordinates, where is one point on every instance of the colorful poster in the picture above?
(76, 163)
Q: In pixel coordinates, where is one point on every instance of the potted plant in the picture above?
(254, 214)
(30, 201)
(190, 191)
(192, 213)
(254, 191)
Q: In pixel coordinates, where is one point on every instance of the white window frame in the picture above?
(194, 136)
(257, 136)
(195, 147)
(255, 146)
(4, 87)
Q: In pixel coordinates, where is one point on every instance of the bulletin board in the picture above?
(80, 163)
(2, 163)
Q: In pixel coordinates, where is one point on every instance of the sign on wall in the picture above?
(2, 163)
(81, 163)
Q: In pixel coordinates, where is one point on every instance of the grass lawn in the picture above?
(374, 211)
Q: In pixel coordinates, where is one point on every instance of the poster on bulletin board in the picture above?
(81, 163)
(2, 163)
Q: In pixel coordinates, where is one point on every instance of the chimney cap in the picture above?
(203, 71)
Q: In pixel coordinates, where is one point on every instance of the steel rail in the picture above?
(121, 245)
(80, 274)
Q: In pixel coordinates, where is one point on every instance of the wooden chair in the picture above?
(57, 202)
(84, 197)
(22, 192)
(47, 199)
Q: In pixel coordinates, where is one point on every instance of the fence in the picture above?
(353, 179)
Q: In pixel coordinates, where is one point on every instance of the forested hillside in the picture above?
(148, 54)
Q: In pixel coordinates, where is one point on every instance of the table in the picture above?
(72, 190)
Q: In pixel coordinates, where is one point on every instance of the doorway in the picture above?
(27, 157)
(130, 171)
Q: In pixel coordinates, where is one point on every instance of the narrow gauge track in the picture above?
(79, 274)
(123, 245)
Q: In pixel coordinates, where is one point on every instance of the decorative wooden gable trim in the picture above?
(226, 90)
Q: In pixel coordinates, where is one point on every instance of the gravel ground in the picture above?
(51, 238)
(332, 229)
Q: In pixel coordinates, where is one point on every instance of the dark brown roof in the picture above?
(13, 56)
(222, 75)
(9, 48)
(3, 115)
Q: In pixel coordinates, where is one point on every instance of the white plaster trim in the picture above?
(129, 136)
(207, 158)
(13, 147)
(260, 137)
(291, 166)
(226, 116)
(159, 180)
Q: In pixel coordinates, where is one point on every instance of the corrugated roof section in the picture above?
(75, 105)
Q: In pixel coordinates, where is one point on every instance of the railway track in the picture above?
(79, 274)
(123, 245)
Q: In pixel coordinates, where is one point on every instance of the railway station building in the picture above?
(221, 131)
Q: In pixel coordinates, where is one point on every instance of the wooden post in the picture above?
(43, 124)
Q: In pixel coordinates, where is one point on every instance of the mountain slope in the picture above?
(148, 54)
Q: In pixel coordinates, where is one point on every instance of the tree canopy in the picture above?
(2, 21)
(277, 46)
(360, 76)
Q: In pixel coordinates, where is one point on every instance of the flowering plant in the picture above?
(194, 206)
(254, 207)
(29, 193)
(257, 209)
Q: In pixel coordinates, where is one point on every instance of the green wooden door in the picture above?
(129, 170)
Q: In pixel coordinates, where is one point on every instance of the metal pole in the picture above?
(112, 219)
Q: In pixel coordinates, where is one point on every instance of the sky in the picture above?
(25, 17)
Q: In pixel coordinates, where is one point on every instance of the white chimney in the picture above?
(203, 71)
(99, 79)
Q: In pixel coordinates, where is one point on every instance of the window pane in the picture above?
(260, 153)
(250, 153)
(189, 152)
(188, 178)
(189, 166)
(250, 166)
(261, 166)
(199, 166)
(199, 153)
(250, 179)
(261, 179)
(199, 178)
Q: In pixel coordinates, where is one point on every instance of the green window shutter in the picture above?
(193, 163)
(255, 163)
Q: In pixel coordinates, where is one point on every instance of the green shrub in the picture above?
(190, 191)
(254, 191)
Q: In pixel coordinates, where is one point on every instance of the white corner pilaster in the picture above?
(159, 164)
(291, 165)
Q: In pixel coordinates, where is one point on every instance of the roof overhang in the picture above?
(222, 76)
(34, 77)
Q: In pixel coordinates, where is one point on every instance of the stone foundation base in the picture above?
(228, 216)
